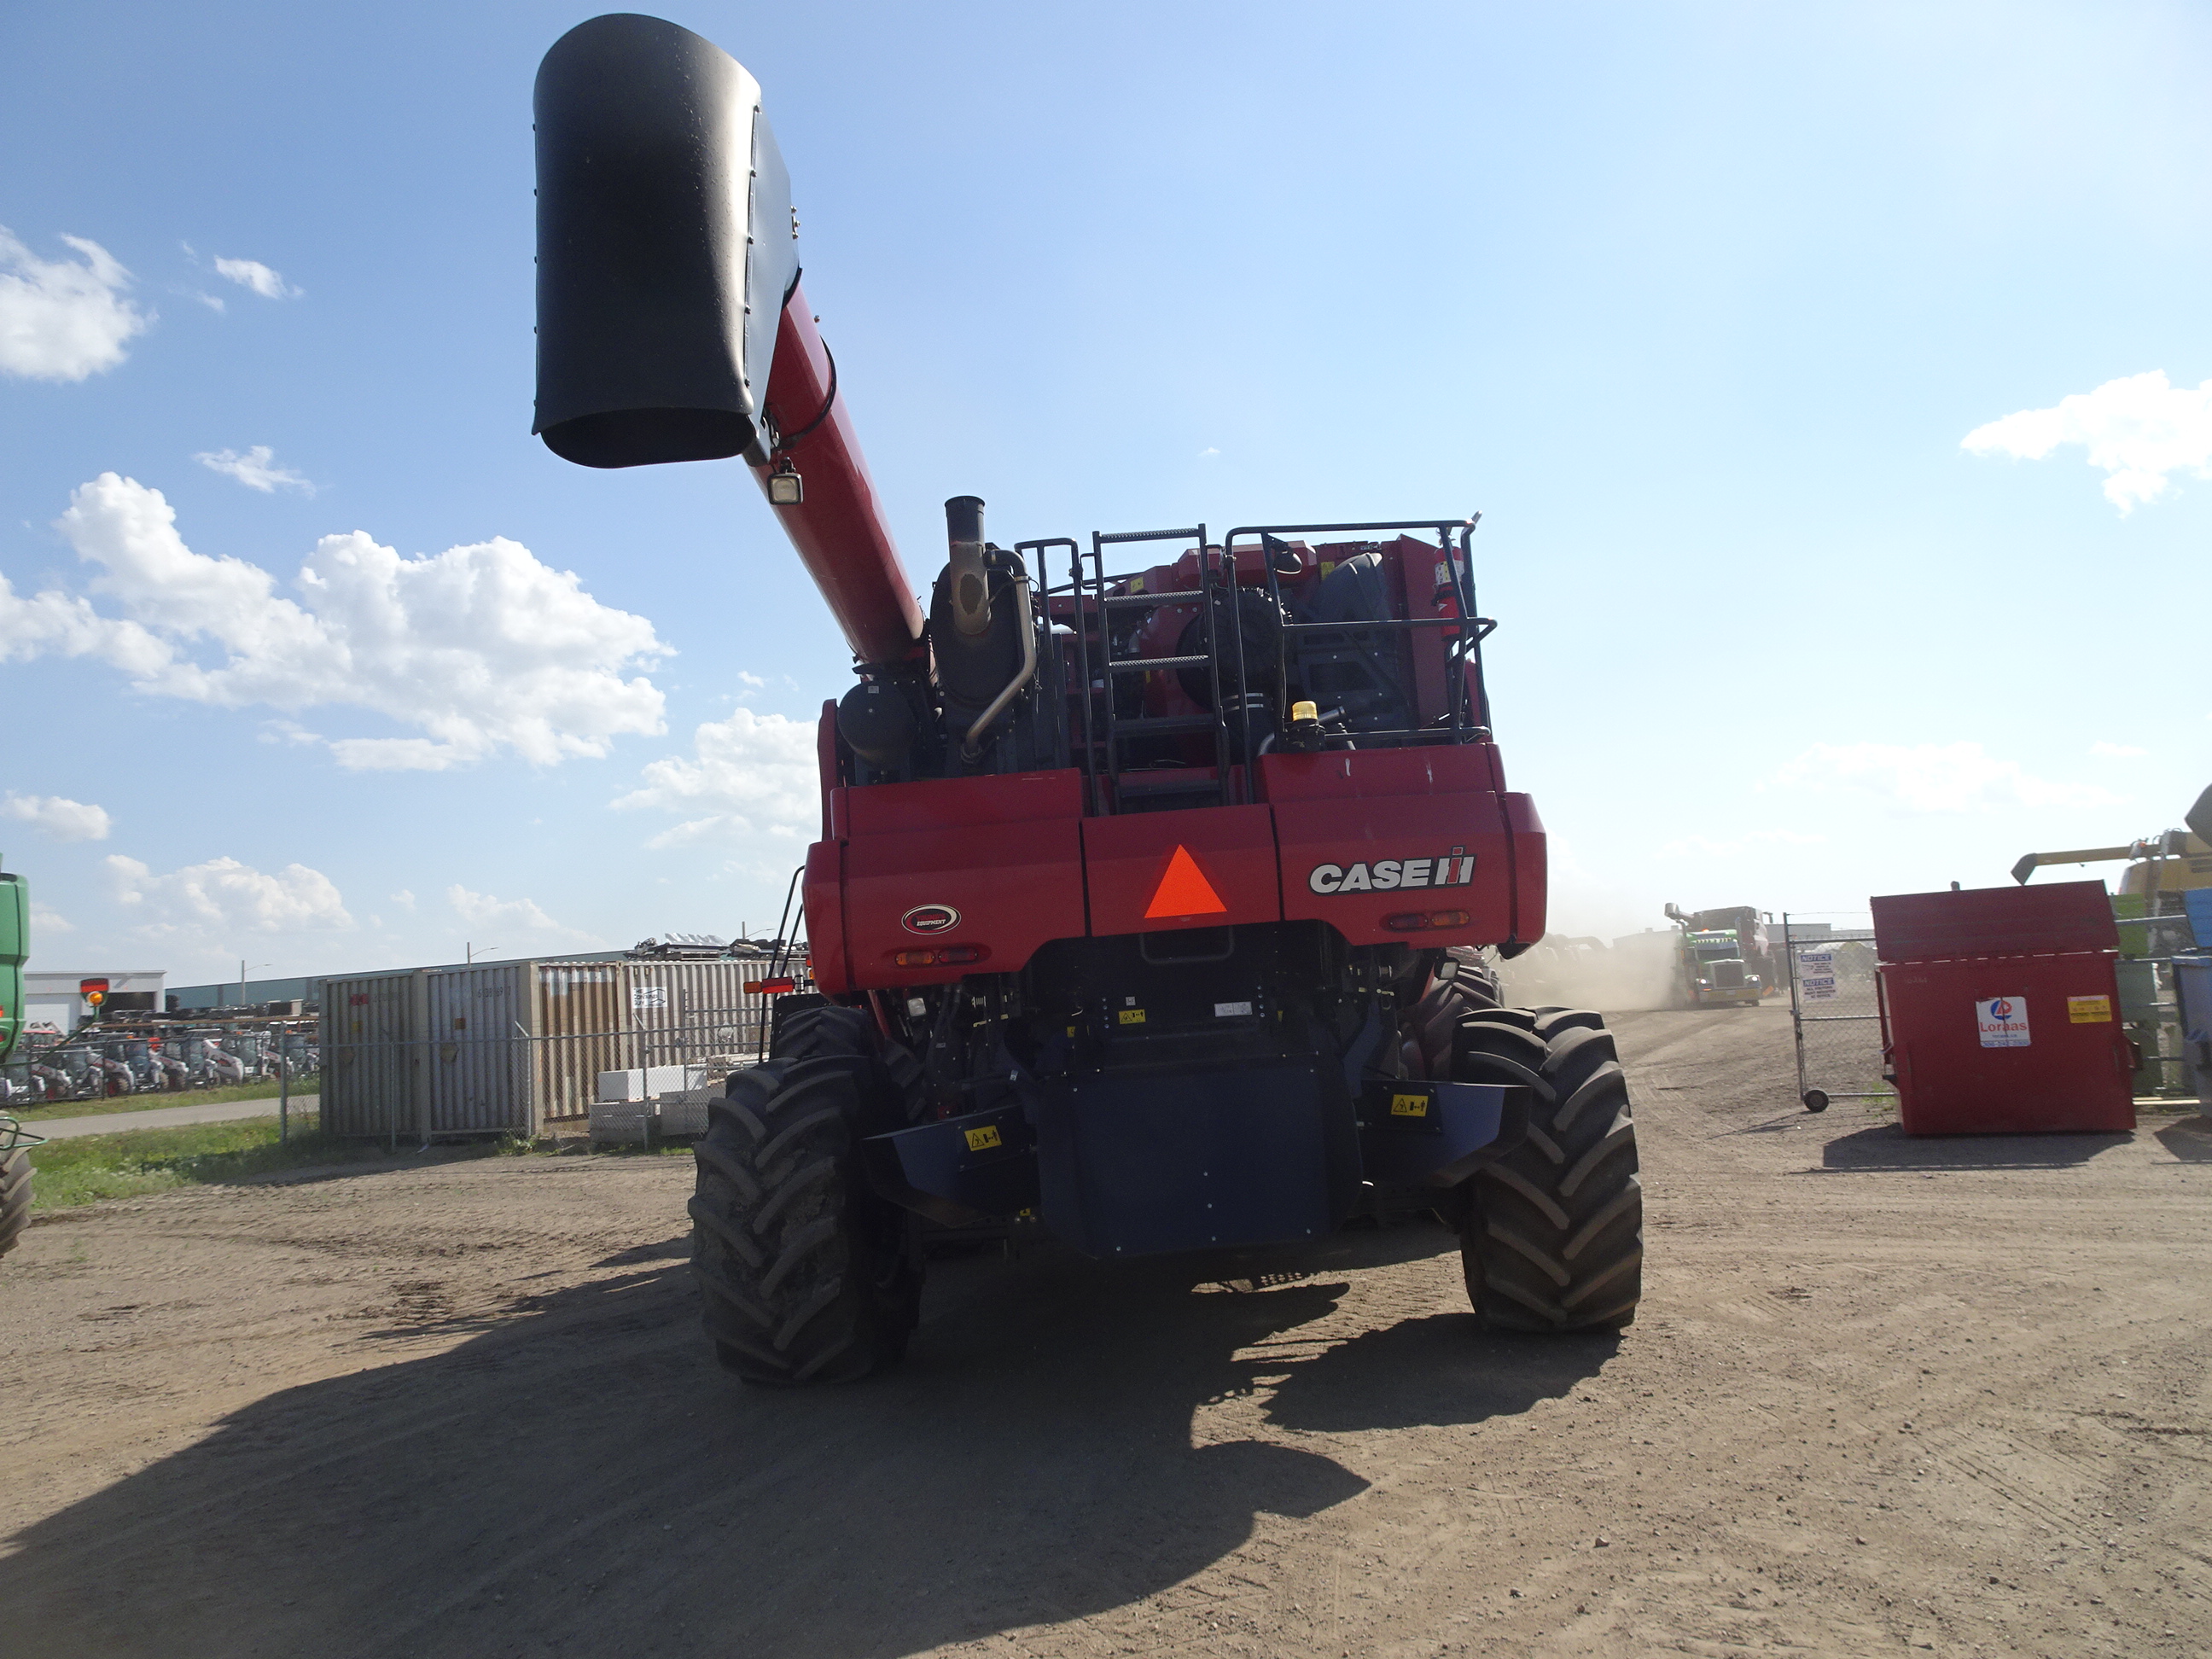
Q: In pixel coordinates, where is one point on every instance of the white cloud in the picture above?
(482, 647)
(252, 273)
(748, 774)
(1207, 453)
(62, 320)
(2117, 750)
(521, 918)
(204, 900)
(2139, 429)
(1705, 846)
(43, 920)
(1930, 777)
(404, 900)
(57, 817)
(255, 468)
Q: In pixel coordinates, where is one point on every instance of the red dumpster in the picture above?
(2000, 1010)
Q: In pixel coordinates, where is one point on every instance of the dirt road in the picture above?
(170, 1117)
(1884, 1396)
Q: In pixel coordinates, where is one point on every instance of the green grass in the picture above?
(101, 1106)
(86, 1168)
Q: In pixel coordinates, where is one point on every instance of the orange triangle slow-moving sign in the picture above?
(1184, 890)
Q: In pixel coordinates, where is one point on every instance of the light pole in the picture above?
(469, 952)
(241, 977)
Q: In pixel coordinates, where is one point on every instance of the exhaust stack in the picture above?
(971, 583)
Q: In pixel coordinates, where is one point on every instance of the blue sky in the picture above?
(1697, 304)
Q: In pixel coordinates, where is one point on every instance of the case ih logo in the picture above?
(1387, 875)
(930, 919)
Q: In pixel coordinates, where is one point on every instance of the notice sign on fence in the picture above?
(647, 996)
(1816, 976)
(2003, 1022)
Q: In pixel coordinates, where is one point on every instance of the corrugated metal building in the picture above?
(508, 1046)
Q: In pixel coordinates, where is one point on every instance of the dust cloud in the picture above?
(1637, 972)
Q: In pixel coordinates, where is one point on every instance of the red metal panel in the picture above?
(1378, 808)
(1995, 1045)
(1995, 921)
(822, 890)
(1337, 774)
(1126, 860)
(963, 803)
(1531, 868)
(992, 865)
(825, 765)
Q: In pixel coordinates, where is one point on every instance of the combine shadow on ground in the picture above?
(580, 1478)
(1887, 1146)
(2190, 1140)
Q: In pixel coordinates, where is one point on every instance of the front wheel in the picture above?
(1553, 1237)
(806, 1275)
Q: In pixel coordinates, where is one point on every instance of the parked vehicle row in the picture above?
(94, 1063)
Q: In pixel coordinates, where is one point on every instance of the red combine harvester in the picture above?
(1158, 874)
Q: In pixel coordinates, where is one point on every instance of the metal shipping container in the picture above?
(686, 1011)
(479, 1050)
(366, 1032)
(583, 1021)
(479, 1055)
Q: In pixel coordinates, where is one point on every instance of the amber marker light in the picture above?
(1413, 921)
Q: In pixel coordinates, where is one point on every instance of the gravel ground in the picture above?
(1884, 1396)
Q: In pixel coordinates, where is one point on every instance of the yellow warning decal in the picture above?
(982, 1139)
(1409, 1105)
(1133, 1017)
(2089, 1011)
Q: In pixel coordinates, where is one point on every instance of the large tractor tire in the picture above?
(15, 1197)
(1553, 1237)
(806, 1276)
(1428, 1026)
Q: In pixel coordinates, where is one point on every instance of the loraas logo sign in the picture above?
(2002, 1022)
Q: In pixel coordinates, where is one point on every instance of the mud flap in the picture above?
(959, 1170)
(1437, 1135)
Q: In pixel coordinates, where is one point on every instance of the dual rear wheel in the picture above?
(1550, 1235)
(1553, 1237)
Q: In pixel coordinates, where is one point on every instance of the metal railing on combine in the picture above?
(1096, 594)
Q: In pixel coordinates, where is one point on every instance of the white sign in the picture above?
(648, 996)
(2003, 1022)
(1816, 976)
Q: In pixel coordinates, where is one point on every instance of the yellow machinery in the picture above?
(2172, 862)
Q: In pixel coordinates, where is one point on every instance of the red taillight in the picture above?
(1412, 922)
(945, 956)
(770, 987)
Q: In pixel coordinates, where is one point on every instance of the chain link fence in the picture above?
(629, 1084)
(1835, 1006)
